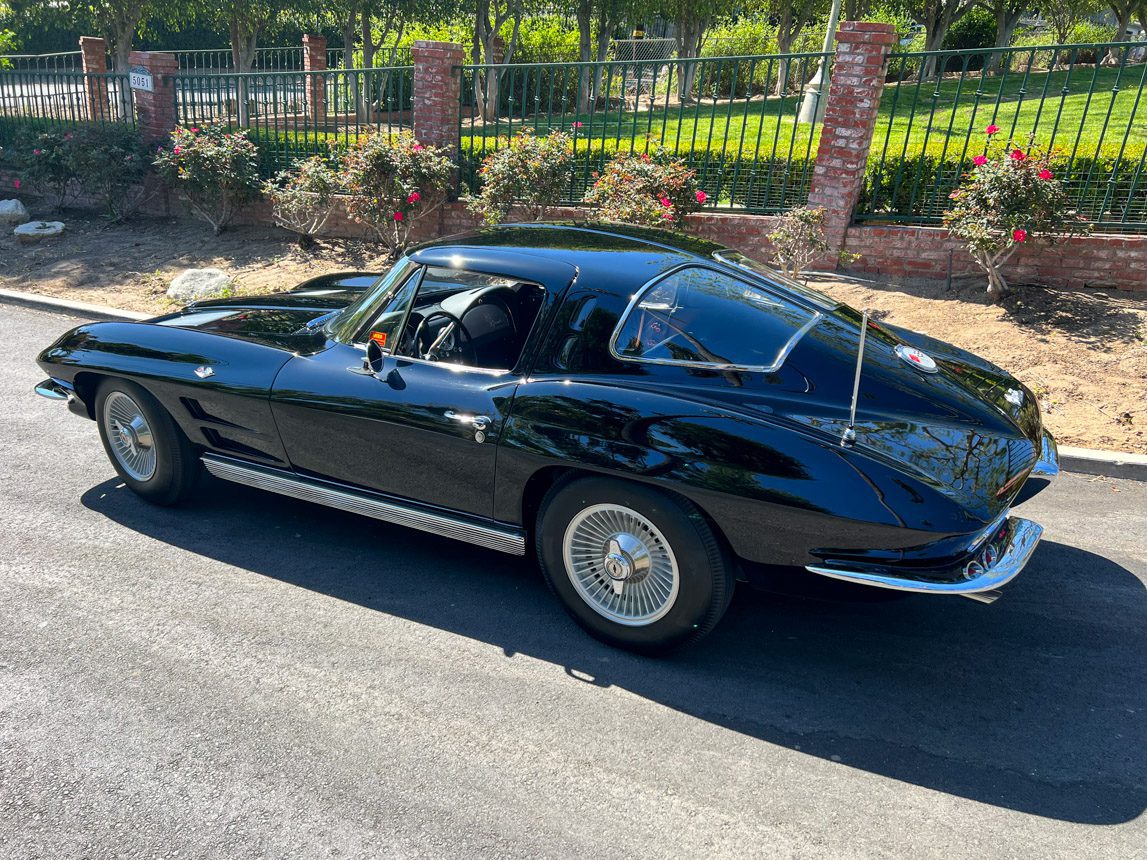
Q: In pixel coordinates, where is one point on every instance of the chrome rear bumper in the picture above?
(1018, 545)
(53, 390)
(1047, 466)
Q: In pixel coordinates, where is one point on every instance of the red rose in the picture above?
(991, 129)
(666, 202)
(177, 150)
(1019, 235)
(702, 197)
(1018, 155)
(37, 152)
(1046, 174)
(575, 124)
(414, 197)
(398, 216)
(980, 160)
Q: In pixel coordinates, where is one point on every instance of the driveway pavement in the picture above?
(252, 676)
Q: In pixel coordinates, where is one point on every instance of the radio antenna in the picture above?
(849, 436)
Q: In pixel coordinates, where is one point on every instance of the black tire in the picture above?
(704, 575)
(176, 467)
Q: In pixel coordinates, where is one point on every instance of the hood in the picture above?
(289, 320)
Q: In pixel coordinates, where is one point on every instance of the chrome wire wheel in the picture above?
(132, 442)
(621, 565)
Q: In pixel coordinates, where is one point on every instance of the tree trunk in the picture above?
(1007, 19)
(1123, 19)
(690, 31)
(585, 55)
(122, 61)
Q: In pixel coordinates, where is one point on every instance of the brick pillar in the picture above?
(858, 71)
(436, 93)
(315, 60)
(94, 52)
(155, 111)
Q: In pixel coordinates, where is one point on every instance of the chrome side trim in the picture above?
(503, 539)
(1047, 466)
(1023, 535)
(53, 390)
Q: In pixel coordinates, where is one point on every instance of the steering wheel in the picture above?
(431, 353)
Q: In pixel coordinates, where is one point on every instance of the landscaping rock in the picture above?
(34, 231)
(13, 212)
(193, 284)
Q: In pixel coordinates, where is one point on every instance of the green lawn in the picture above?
(1086, 110)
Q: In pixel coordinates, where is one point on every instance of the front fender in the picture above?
(223, 407)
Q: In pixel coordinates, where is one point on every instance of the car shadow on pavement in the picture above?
(1035, 703)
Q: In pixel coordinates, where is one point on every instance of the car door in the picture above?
(413, 428)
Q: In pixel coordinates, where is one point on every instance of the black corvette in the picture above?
(655, 416)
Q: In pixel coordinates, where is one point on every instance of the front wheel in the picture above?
(145, 445)
(635, 567)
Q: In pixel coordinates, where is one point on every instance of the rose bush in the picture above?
(651, 189)
(47, 165)
(110, 163)
(393, 182)
(303, 197)
(214, 170)
(528, 171)
(1010, 197)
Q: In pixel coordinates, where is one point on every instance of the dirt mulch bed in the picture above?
(1083, 352)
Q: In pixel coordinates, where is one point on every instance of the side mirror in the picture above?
(374, 357)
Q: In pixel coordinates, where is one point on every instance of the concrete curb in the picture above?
(80, 309)
(1109, 464)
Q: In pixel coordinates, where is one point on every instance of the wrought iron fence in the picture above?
(220, 60)
(45, 101)
(66, 61)
(732, 119)
(291, 115)
(1081, 103)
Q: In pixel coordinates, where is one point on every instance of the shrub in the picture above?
(214, 170)
(110, 162)
(1009, 198)
(529, 171)
(798, 240)
(47, 164)
(647, 189)
(394, 181)
(303, 197)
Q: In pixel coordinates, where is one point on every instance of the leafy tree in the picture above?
(691, 19)
(1007, 14)
(1123, 10)
(938, 16)
(1063, 15)
(490, 16)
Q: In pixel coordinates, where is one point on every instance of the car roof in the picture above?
(609, 256)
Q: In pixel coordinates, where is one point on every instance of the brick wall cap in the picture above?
(867, 27)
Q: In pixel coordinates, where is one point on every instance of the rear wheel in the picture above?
(635, 567)
(144, 444)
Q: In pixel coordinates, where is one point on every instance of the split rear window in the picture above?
(700, 317)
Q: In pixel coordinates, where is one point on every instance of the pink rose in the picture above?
(991, 129)
(980, 160)
(194, 130)
(1017, 155)
(414, 197)
(702, 197)
(16, 184)
(575, 124)
(417, 147)
(37, 152)
(668, 216)
(398, 216)
(666, 202)
(177, 150)
(1019, 235)
(1046, 174)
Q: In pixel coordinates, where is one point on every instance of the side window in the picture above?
(699, 317)
(460, 317)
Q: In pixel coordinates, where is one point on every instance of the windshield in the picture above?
(345, 324)
(736, 258)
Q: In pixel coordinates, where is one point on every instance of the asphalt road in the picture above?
(255, 677)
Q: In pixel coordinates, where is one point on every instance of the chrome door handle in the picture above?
(478, 422)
